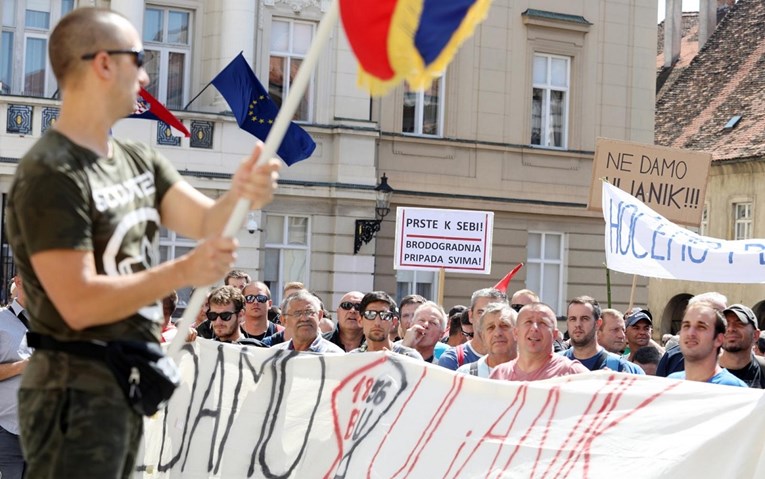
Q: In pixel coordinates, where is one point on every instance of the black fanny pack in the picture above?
(146, 376)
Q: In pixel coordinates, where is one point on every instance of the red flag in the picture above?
(149, 108)
(505, 282)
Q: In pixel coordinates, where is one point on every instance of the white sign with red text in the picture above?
(458, 241)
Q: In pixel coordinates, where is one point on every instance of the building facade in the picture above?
(509, 128)
(715, 105)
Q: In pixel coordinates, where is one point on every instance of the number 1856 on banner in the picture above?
(457, 240)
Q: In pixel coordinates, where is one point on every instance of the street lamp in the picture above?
(367, 229)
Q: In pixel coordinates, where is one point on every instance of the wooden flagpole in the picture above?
(441, 281)
(632, 292)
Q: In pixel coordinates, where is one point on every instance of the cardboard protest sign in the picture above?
(671, 181)
(250, 412)
(640, 241)
(456, 240)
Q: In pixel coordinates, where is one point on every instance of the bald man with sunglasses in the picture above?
(255, 323)
(84, 215)
(348, 333)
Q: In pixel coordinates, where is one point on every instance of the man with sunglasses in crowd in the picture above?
(376, 319)
(226, 308)
(348, 333)
(84, 215)
(257, 298)
(302, 312)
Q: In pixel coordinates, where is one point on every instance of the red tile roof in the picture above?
(725, 79)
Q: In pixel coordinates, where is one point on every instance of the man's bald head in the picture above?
(83, 31)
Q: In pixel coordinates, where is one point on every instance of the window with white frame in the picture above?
(549, 100)
(290, 40)
(742, 216)
(167, 43)
(544, 267)
(171, 246)
(286, 253)
(423, 110)
(26, 25)
(704, 226)
(415, 282)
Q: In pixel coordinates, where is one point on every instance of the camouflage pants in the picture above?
(71, 432)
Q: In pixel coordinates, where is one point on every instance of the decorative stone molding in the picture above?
(297, 6)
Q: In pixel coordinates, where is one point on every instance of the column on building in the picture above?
(236, 32)
(707, 20)
(132, 9)
(673, 31)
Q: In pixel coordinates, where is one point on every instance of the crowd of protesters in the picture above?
(496, 335)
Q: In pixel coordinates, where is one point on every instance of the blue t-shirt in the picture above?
(448, 359)
(612, 361)
(723, 377)
(439, 349)
(671, 362)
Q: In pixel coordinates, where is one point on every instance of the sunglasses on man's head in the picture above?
(260, 298)
(225, 316)
(347, 305)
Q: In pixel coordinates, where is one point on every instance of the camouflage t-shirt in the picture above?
(65, 196)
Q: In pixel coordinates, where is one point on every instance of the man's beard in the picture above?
(377, 336)
(734, 348)
(585, 341)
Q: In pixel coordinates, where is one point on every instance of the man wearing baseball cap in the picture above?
(639, 326)
(737, 357)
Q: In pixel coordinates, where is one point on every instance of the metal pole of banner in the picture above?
(275, 136)
(608, 286)
(198, 94)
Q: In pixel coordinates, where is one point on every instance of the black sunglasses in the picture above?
(467, 335)
(384, 315)
(347, 305)
(517, 307)
(260, 298)
(138, 55)
(225, 316)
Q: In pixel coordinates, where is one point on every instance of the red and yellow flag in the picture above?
(412, 40)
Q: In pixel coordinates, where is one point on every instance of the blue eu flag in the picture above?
(255, 111)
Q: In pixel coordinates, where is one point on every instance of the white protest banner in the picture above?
(672, 181)
(457, 240)
(640, 241)
(249, 412)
